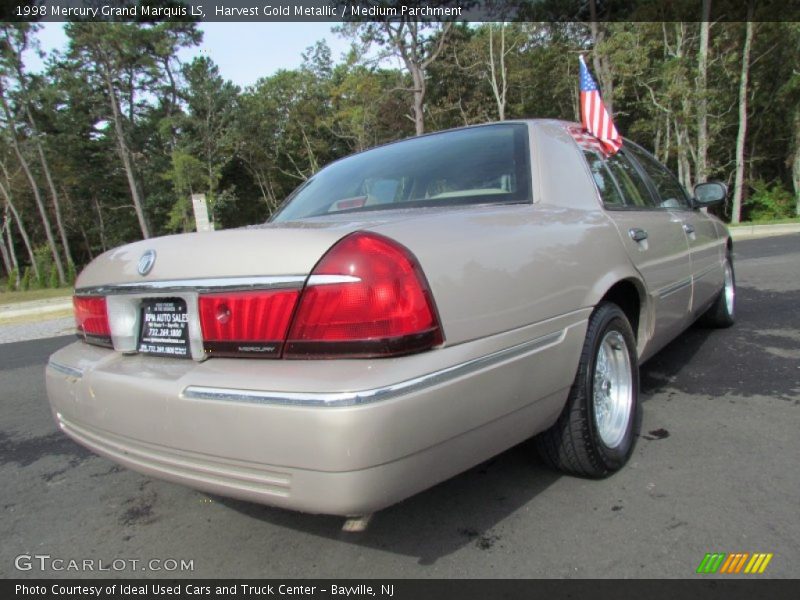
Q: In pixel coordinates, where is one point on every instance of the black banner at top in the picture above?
(337, 11)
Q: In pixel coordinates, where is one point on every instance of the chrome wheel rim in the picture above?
(613, 389)
(730, 290)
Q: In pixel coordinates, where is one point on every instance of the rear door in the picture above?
(701, 235)
(654, 239)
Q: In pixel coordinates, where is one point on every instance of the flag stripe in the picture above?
(594, 116)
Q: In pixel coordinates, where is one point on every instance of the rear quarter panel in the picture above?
(494, 269)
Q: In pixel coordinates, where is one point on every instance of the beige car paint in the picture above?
(514, 286)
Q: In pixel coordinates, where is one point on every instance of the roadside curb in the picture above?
(35, 308)
(740, 232)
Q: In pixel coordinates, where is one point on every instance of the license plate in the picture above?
(165, 328)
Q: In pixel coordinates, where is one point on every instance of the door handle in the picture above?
(688, 228)
(637, 234)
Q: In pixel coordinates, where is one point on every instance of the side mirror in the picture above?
(708, 194)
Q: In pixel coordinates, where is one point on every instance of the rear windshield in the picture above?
(488, 164)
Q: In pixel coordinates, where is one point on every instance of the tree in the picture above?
(601, 63)
(9, 207)
(124, 60)
(206, 131)
(701, 81)
(417, 44)
(14, 41)
(11, 125)
(736, 211)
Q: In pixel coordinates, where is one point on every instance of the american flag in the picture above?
(594, 116)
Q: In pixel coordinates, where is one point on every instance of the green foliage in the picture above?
(769, 201)
(44, 261)
(189, 130)
(52, 280)
(25, 282)
(11, 284)
(180, 216)
(71, 274)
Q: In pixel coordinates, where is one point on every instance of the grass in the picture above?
(16, 297)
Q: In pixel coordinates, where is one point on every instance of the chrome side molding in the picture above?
(65, 370)
(675, 287)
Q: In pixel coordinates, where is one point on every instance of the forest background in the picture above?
(107, 143)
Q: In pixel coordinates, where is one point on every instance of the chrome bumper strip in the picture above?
(221, 284)
(388, 392)
(65, 370)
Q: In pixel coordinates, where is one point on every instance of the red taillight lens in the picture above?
(246, 323)
(91, 319)
(385, 310)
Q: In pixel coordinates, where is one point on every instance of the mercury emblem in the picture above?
(146, 262)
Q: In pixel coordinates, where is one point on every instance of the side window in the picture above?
(609, 192)
(635, 190)
(671, 192)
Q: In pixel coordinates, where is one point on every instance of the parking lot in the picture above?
(715, 470)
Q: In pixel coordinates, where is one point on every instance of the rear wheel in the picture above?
(721, 313)
(595, 434)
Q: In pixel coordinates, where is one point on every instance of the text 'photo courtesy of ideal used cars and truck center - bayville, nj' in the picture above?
(393, 297)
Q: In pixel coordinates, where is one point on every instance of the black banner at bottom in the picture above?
(400, 589)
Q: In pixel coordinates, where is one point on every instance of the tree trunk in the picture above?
(701, 88)
(53, 193)
(3, 250)
(417, 58)
(419, 97)
(738, 186)
(499, 88)
(35, 188)
(6, 192)
(12, 251)
(796, 162)
(101, 223)
(23, 83)
(86, 243)
(681, 144)
(601, 66)
(125, 153)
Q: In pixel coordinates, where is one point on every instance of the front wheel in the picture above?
(595, 434)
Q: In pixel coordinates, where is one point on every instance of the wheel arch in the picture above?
(629, 294)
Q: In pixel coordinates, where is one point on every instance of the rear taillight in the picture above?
(91, 319)
(367, 297)
(246, 323)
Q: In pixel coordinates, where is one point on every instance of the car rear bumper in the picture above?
(336, 437)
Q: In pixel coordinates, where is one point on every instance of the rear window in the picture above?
(488, 164)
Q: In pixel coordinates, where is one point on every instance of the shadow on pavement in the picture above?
(759, 355)
(439, 521)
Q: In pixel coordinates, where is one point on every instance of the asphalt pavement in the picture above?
(715, 470)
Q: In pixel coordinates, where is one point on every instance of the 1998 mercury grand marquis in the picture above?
(409, 312)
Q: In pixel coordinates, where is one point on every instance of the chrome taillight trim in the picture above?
(200, 285)
(330, 279)
(388, 392)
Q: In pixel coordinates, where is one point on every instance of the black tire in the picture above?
(574, 443)
(722, 313)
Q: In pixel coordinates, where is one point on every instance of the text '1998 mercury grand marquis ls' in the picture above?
(409, 312)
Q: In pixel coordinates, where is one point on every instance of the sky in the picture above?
(244, 52)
